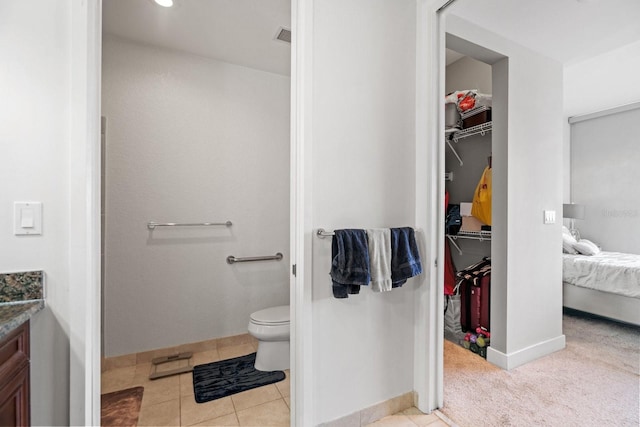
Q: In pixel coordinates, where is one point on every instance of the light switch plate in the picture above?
(27, 218)
(549, 217)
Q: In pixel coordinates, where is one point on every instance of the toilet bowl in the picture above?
(271, 328)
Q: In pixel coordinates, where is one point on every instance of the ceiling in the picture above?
(243, 31)
(568, 31)
(237, 31)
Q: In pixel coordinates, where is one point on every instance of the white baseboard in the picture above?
(526, 355)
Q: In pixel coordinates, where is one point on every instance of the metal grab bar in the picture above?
(231, 259)
(151, 225)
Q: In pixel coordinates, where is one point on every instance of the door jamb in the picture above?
(300, 208)
(429, 316)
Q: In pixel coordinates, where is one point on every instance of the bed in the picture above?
(606, 284)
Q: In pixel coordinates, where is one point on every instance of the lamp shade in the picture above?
(573, 211)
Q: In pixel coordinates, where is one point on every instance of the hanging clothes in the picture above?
(449, 270)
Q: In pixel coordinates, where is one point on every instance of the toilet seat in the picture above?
(272, 316)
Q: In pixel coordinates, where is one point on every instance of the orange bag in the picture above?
(481, 207)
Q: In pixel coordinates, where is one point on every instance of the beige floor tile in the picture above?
(235, 340)
(410, 411)
(192, 412)
(352, 420)
(255, 397)
(160, 390)
(186, 384)
(203, 357)
(161, 414)
(117, 379)
(287, 400)
(147, 356)
(284, 386)
(448, 421)
(235, 351)
(143, 370)
(227, 420)
(393, 421)
(425, 420)
(274, 413)
(195, 347)
(174, 364)
(123, 361)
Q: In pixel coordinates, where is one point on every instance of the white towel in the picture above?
(379, 240)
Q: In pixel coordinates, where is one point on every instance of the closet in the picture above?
(468, 160)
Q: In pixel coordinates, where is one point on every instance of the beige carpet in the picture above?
(594, 381)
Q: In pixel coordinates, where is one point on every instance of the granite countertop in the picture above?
(21, 296)
(14, 314)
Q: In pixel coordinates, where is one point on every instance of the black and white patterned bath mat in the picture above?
(219, 379)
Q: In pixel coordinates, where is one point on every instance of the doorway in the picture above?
(183, 147)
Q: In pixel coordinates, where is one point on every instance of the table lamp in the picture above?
(573, 211)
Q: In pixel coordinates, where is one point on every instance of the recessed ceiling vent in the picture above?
(283, 35)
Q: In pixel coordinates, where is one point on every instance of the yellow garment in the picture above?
(481, 207)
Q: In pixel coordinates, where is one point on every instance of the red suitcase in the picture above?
(475, 303)
(465, 305)
(480, 307)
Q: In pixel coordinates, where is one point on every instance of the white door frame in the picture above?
(300, 205)
(429, 317)
(87, 27)
(84, 213)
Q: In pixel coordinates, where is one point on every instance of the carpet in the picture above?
(121, 408)
(594, 381)
(219, 379)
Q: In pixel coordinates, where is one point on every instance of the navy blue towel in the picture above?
(405, 258)
(350, 262)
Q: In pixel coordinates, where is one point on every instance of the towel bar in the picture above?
(323, 233)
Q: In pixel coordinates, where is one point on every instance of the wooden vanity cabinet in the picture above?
(14, 378)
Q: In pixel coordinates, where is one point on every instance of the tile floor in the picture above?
(411, 417)
(170, 401)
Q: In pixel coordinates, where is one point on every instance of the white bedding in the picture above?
(613, 272)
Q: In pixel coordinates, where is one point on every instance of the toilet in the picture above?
(271, 328)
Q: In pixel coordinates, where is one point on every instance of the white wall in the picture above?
(35, 51)
(467, 73)
(604, 159)
(191, 139)
(605, 81)
(363, 175)
(527, 179)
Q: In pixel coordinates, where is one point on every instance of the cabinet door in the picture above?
(14, 400)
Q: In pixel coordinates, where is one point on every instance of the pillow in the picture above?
(568, 243)
(586, 247)
(565, 230)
